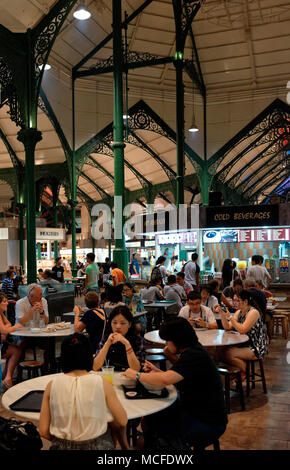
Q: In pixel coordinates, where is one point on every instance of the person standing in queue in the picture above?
(58, 270)
(92, 274)
(191, 272)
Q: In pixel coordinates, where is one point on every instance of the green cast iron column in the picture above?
(178, 63)
(205, 185)
(39, 251)
(73, 202)
(29, 137)
(179, 198)
(55, 223)
(120, 254)
(21, 234)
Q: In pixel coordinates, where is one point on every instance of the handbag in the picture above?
(15, 435)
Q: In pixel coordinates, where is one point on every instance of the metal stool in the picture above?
(228, 372)
(132, 432)
(33, 368)
(250, 375)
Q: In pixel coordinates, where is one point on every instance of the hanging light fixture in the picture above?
(193, 127)
(82, 13)
(46, 67)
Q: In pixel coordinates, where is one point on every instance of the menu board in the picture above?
(246, 236)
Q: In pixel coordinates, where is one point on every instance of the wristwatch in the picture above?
(138, 375)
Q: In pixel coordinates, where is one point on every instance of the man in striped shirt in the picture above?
(8, 286)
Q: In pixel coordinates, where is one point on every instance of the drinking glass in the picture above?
(58, 319)
(41, 323)
(108, 373)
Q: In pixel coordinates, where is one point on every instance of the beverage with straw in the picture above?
(108, 373)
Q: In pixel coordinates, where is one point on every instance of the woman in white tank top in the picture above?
(76, 404)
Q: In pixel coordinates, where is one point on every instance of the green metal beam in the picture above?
(110, 37)
(283, 174)
(264, 165)
(262, 178)
(247, 149)
(276, 105)
(18, 165)
(109, 68)
(101, 191)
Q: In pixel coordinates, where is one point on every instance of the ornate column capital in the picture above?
(29, 137)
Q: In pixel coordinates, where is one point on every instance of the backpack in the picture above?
(156, 274)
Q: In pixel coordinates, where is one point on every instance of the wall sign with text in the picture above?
(243, 216)
(251, 235)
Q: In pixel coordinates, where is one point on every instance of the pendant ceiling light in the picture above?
(82, 13)
(193, 127)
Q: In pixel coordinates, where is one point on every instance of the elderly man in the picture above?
(31, 309)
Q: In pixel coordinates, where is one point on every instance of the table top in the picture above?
(206, 337)
(134, 408)
(161, 304)
(43, 334)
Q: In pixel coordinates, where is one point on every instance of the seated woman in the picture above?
(75, 404)
(121, 346)
(114, 297)
(215, 290)
(135, 304)
(247, 320)
(207, 298)
(93, 320)
(199, 416)
(10, 352)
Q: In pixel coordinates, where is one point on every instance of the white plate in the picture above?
(35, 330)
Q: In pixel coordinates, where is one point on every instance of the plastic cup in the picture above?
(108, 373)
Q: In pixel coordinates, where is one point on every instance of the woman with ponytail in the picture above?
(246, 320)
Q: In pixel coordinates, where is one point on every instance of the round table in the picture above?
(27, 333)
(208, 338)
(160, 312)
(134, 408)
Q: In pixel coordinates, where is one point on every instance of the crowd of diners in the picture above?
(75, 403)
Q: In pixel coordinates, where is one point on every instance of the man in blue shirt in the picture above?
(134, 266)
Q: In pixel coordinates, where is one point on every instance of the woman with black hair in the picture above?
(121, 346)
(199, 416)
(227, 272)
(247, 320)
(75, 404)
(114, 296)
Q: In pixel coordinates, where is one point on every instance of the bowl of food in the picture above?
(153, 388)
(129, 383)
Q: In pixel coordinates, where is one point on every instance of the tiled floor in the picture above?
(265, 425)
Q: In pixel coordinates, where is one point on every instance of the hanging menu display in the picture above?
(251, 235)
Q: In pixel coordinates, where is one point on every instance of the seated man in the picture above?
(181, 282)
(174, 292)
(198, 315)
(31, 309)
(47, 279)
